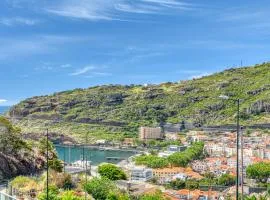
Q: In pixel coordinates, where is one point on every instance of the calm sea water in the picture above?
(3, 109)
(96, 156)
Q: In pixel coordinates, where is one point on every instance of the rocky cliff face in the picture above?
(16, 155)
(12, 166)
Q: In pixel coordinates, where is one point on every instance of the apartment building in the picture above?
(149, 133)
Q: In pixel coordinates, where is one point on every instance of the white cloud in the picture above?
(114, 9)
(3, 101)
(82, 70)
(18, 21)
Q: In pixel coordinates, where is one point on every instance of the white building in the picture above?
(199, 166)
(266, 154)
(176, 148)
(231, 162)
(215, 149)
(181, 176)
(141, 174)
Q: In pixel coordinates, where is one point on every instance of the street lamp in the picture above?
(237, 141)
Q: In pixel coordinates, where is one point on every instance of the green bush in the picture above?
(70, 195)
(259, 171)
(111, 172)
(52, 194)
(100, 188)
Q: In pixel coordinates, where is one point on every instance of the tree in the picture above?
(54, 162)
(100, 188)
(111, 172)
(177, 159)
(183, 158)
(183, 126)
(151, 161)
(226, 180)
(178, 184)
(192, 184)
(259, 171)
(10, 140)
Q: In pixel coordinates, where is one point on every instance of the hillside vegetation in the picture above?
(116, 111)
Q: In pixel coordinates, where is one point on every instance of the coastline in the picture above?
(101, 148)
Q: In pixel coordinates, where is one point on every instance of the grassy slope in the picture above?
(194, 100)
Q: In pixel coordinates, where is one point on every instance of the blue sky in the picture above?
(48, 46)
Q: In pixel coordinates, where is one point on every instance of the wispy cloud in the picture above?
(102, 73)
(34, 45)
(65, 66)
(172, 4)
(83, 70)
(83, 9)
(247, 17)
(18, 21)
(115, 9)
(137, 8)
(98, 74)
(3, 101)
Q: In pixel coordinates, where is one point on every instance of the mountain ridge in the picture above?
(116, 111)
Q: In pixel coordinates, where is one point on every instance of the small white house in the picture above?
(141, 174)
(180, 176)
(175, 148)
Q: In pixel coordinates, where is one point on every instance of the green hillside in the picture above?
(116, 111)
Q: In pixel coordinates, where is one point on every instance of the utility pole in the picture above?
(237, 141)
(69, 155)
(242, 165)
(237, 149)
(86, 160)
(64, 159)
(47, 136)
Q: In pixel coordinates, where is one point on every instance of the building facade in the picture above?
(149, 133)
(141, 174)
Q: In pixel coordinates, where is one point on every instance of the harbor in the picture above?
(96, 155)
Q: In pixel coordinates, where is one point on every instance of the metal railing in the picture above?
(4, 196)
